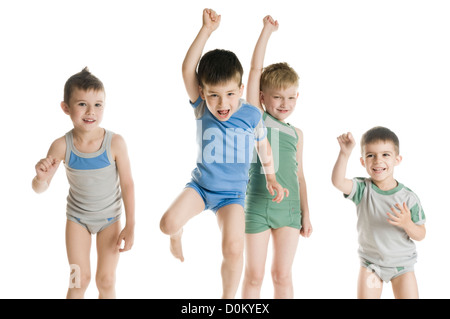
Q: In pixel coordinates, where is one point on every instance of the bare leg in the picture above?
(255, 260)
(370, 285)
(78, 246)
(231, 222)
(187, 205)
(107, 259)
(405, 286)
(285, 242)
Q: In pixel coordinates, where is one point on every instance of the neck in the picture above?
(386, 185)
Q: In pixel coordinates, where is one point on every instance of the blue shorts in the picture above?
(216, 200)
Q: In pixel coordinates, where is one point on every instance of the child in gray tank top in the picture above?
(390, 215)
(99, 174)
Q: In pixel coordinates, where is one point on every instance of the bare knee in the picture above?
(168, 224)
(254, 278)
(105, 282)
(281, 277)
(233, 250)
(78, 279)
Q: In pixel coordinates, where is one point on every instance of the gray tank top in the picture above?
(94, 181)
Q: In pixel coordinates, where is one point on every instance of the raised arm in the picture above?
(211, 22)
(347, 143)
(253, 85)
(47, 167)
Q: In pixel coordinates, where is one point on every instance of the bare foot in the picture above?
(175, 245)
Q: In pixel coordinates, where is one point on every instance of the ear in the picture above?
(398, 160)
(241, 90)
(261, 97)
(363, 163)
(65, 107)
(200, 91)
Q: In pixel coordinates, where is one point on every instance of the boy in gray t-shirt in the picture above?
(390, 215)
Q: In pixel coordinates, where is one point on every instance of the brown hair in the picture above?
(83, 80)
(380, 133)
(219, 66)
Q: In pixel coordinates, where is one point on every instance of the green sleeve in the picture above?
(359, 185)
(417, 214)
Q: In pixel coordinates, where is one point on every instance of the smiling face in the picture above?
(280, 103)
(222, 100)
(85, 108)
(379, 158)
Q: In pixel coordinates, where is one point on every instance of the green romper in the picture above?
(261, 213)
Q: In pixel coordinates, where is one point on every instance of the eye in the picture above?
(98, 105)
(369, 155)
(386, 154)
(230, 93)
(82, 104)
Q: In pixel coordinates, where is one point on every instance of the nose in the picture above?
(377, 159)
(90, 109)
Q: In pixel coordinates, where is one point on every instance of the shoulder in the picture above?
(251, 112)
(58, 148)
(411, 194)
(117, 141)
(251, 107)
(299, 133)
(118, 147)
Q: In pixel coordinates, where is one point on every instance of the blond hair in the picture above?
(278, 76)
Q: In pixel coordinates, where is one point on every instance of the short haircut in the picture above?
(278, 76)
(83, 80)
(380, 133)
(219, 67)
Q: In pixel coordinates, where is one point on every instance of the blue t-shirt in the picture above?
(226, 148)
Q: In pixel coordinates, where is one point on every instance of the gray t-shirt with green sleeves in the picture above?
(380, 242)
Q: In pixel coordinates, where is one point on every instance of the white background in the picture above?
(361, 63)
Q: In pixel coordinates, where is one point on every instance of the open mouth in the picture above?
(223, 113)
(283, 111)
(88, 121)
(379, 170)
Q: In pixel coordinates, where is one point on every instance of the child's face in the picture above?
(222, 100)
(379, 159)
(85, 108)
(280, 103)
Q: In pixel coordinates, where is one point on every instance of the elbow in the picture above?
(38, 187)
(422, 237)
(127, 186)
(336, 183)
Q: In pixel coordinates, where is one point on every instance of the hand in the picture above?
(211, 20)
(306, 230)
(46, 168)
(272, 187)
(270, 23)
(127, 235)
(347, 143)
(401, 217)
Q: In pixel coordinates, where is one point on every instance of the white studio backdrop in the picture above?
(361, 64)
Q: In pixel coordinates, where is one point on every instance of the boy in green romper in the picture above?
(275, 92)
(390, 215)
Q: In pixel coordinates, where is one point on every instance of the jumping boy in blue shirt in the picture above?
(227, 131)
